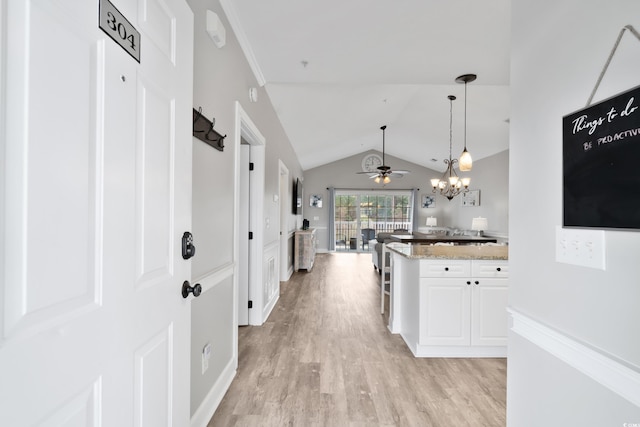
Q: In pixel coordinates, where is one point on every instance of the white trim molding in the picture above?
(243, 41)
(608, 372)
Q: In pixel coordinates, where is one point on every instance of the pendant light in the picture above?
(466, 162)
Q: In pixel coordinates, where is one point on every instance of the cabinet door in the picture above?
(489, 322)
(490, 268)
(445, 268)
(444, 312)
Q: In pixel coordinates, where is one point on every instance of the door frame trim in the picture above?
(246, 129)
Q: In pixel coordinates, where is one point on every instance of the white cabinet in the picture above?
(453, 308)
(470, 311)
(445, 312)
(304, 249)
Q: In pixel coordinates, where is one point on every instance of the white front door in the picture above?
(97, 194)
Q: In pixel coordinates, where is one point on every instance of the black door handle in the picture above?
(187, 289)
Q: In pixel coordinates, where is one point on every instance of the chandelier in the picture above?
(450, 185)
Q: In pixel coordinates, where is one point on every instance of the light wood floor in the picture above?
(326, 358)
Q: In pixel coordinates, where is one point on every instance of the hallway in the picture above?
(326, 358)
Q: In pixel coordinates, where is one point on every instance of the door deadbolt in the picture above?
(188, 250)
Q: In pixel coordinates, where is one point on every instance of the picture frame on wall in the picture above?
(470, 198)
(428, 201)
(315, 201)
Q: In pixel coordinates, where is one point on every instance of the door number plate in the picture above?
(119, 29)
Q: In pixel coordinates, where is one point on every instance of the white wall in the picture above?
(558, 50)
(489, 175)
(222, 77)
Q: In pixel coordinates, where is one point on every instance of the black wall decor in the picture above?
(601, 177)
(203, 130)
(297, 197)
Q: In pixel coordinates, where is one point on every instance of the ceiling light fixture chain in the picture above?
(384, 169)
(450, 185)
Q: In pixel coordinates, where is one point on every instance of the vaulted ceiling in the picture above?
(337, 70)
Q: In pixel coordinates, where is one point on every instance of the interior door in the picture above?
(94, 329)
(244, 220)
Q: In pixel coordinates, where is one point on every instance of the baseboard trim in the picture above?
(210, 403)
(453, 351)
(269, 308)
(608, 372)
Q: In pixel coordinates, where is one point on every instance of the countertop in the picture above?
(418, 237)
(499, 252)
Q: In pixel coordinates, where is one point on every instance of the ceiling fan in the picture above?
(383, 173)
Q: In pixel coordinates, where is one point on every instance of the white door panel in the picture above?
(49, 182)
(158, 22)
(154, 178)
(97, 195)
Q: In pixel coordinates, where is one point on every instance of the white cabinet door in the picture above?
(489, 312)
(444, 312)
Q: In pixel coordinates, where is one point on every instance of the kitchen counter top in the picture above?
(414, 251)
(418, 237)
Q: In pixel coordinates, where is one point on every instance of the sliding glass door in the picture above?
(361, 215)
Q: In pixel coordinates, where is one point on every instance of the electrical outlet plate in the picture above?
(585, 248)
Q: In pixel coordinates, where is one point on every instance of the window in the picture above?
(373, 212)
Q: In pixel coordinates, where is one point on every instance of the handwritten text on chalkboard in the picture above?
(584, 122)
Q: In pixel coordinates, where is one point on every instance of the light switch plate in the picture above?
(585, 248)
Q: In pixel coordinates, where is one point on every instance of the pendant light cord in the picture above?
(465, 116)
(606, 65)
(383, 128)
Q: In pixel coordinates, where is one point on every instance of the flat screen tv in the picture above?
(601, 178)
(297, 197)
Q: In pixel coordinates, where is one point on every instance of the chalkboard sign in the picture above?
(601, 164)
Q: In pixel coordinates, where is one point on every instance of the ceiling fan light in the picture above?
(377, 180)
(386, 180)
(466, 162)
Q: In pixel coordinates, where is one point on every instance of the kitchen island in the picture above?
(449, 301)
